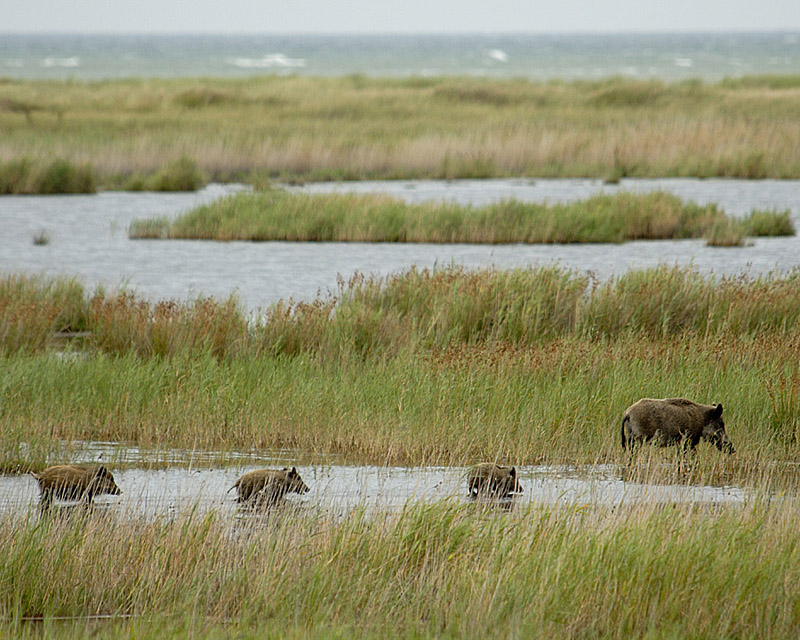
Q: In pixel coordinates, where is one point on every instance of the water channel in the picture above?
(88, 239)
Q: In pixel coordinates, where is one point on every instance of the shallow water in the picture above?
(341, 488)
(88, 239)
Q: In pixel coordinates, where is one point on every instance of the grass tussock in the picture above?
(121, 324)
(727, 233)
(33, 308)
(280, 215)
(444, 570)
(41, 237)
(769, 223)
(182, 174)
(302, 128)
(734, 232)
(424, 367)
(57, 177)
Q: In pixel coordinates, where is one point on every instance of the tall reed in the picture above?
(446, 570)
(422, 367)
(413, 309)
(120, 324)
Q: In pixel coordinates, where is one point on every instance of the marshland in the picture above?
(153, 133)
(424, 369)
(384, 385)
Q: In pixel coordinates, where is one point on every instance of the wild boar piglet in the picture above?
(269, 486)
(71, 482)
(493, 480)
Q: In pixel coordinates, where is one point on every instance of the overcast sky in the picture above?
(397, 16)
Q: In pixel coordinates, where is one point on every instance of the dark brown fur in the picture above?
(493, 480)
(672, 421)
(70, 482)
(268, 486)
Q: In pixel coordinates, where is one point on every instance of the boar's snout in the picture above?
(724, 444)
(104, 482)
(113, 489)
(296, 483)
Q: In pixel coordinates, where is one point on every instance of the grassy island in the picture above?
(280, 215)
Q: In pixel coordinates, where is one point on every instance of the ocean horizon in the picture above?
(663, 56)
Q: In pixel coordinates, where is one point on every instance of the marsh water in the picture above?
(164, 490)
(88, 238)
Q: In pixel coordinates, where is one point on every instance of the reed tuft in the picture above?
(59, 176)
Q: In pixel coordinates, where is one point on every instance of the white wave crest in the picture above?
(62, 62)
(270, 60)
(498, 54)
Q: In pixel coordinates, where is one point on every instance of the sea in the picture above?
(665, 56)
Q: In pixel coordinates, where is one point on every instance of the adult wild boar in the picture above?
(268, 486)
(672, 421)
(70, 482)
(493, 480)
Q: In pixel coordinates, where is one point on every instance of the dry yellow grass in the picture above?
(311, 128)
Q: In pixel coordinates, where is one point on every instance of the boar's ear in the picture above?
(293, 471)
(101, 471)
(513, 472)
(717, 412)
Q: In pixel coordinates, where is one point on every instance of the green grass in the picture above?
(446, 570)
(559, 403)
(303, 128)
(39, 177)
(182, 174)
(280, 215)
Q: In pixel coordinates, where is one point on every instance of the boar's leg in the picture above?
(45, 499)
